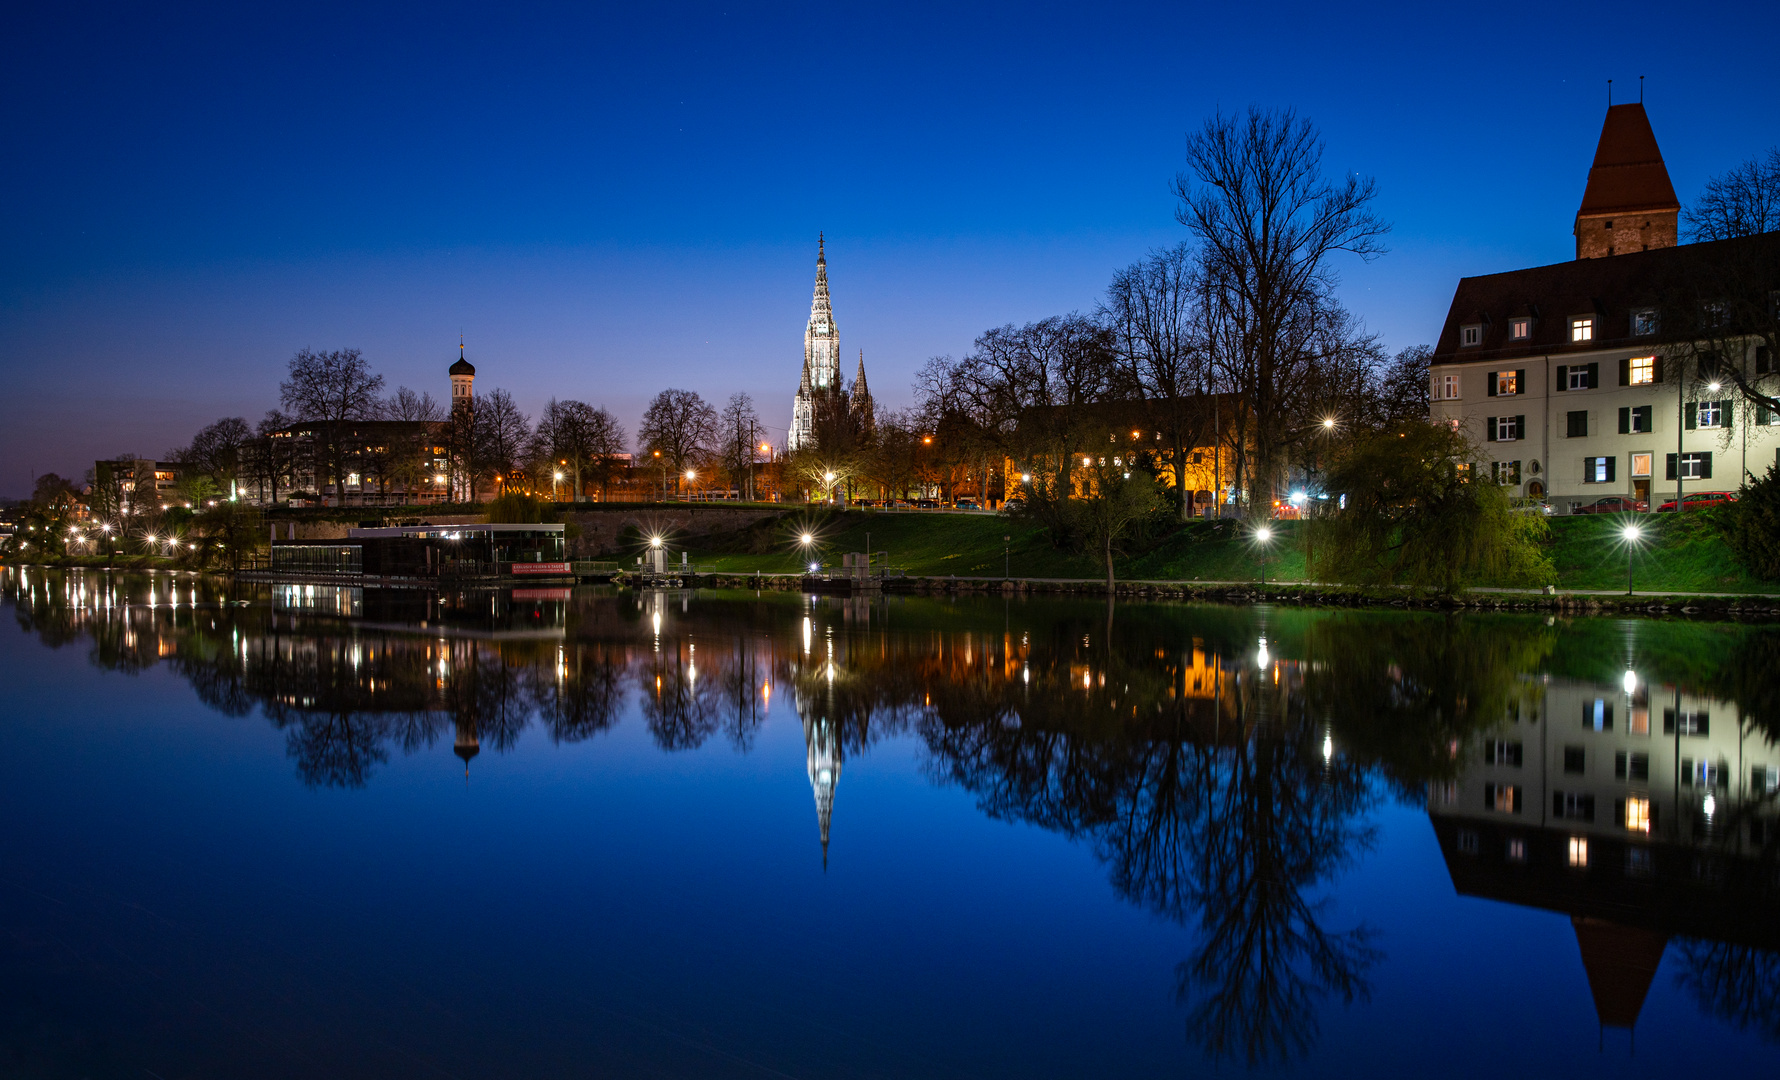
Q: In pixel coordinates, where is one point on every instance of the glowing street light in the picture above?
(1632, 535)
(1264, 536)
(1328, 423)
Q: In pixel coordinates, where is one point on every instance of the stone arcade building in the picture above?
(1596, 377)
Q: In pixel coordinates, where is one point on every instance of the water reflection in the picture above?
(1225, 765)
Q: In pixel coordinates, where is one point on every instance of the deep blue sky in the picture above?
(610, 202)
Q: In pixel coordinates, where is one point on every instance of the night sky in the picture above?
(606, 203)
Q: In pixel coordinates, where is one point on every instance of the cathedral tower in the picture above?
(821, 358)
(1629, 204)
(463, 376)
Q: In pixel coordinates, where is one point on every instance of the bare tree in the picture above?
(1743, 202)
(680, 427)
(1403, 386)
(331, 389)
(1267, 223)
(502, 433)
(218, 449)
(407, 452)
(740, 437)
(1152, 308)
(605, 442)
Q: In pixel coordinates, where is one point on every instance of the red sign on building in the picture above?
(540, 568)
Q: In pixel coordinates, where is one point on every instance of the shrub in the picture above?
(1752, 526)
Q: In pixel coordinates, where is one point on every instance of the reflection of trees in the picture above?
(1735, 983)
(677, 703)
(583, 696)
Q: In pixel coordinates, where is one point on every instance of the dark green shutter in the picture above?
(1489, 431)
(1490, 387)
(1594, 376)
(1625, 372)
(1563, 379)
(1691, 411)
(1706, 465)
(1656, 370)
(1625, 421)
(1727, 410)
(1668, 466)
(1612, 465)
(1520, 427)
(1520, 381)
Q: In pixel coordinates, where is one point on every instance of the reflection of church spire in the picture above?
(1620, 962)
(825, 771)
(468, 745)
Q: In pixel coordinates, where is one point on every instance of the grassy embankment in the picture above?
(1682, 554)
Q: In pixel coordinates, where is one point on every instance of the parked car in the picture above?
(927, 504)
(966, 504)
(1698, 499)
(898, 504)
(1614, 504)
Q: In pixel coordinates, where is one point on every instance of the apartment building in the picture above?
(1592, 378)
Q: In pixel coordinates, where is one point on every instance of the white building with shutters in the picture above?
(1619, 373)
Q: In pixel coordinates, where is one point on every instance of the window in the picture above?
(1598, 470)
(1688, 723)
(1637, 813)
(1578, 376)
(1467, 841)
(1597, 715)
(1715, 313)
(1502, 428)
(1579, 852)
(1635, 420)
(1637, 859)
(1640, 464)
(1575, 757)
(1766, 417)
(1764, 360)
(1498, 752)
(1503, 798)
(1640, 370)
(1709, 414)
(1631, 766)
(1583, 328)
(1644, 322)
(1573, 805)
(1470, 335)
(1520, 329)
(1517, 850)
(1578, 379)
(1576, 424)
(1764, 779)
(1693, 466)
(1507, 383)
(1449, 386)
(1506, 472)
(1704, 773)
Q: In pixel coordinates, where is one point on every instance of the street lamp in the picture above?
(1263, 536)
(1632, 535)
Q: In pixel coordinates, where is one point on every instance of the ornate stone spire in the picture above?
(862, 403)
(824, 762)
(821, 355)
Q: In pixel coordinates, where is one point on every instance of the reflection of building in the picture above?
(1639, 811)
(824, 762)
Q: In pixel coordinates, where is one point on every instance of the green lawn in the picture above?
(1681, 553)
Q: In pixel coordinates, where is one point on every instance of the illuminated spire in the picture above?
(824, 765)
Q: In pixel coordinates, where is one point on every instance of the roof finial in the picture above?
(1640, 89)
(1610, 93)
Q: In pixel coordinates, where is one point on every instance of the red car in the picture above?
(1614, 504)
(1699, 500)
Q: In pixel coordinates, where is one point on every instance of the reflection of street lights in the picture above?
(1007, 559)
(1263, 536)
(1632, 535)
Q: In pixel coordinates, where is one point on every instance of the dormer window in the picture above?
(1582, 328)
(1520, 329)
(1644, 322)
(1470, 335)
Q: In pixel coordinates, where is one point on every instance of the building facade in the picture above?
(1589, 379)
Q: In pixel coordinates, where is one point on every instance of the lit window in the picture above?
(1597, 715)
(1449, 386)
(1582, 329)
(1643, 322)
(1503, 798)
(1579, 852)
(1517, 850)
(1520, 329)
(1470, 335)
(1507, 383)
(1637, 814)
(1711, 414)
(1642, 370)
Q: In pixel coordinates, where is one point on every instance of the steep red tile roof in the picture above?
(1628, 175)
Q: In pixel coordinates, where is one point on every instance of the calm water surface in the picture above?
(268, 832)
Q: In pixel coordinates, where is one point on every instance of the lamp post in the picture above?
(1263, 536)
(1632, 534)
(1007, 559)
(555, 481)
